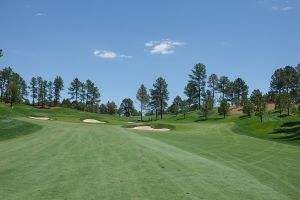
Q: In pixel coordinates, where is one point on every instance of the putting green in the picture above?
(89, 161)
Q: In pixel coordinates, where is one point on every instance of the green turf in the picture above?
(67, 159)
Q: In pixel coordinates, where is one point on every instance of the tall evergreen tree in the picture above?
(127, 107)
(74, 90)
(82, 95)
(212, 83)
(50, 93)
(58, 87)
(259, 103)
(190, 91)
(197, 78)
(291, 85)
(222, 85)
(143, 97)
(154, 102)
(224, 107)
(161, 93)
(277, 84)
(208, 104)
(247, 107)
(176, 106)
(89, 87)
(95, 97)
(5, 77)
(229, 93)
(240, 89)
(111, 108)
(45, 92)
(13, 93)
(39, 90)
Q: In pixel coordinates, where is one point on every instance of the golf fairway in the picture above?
(90, 161)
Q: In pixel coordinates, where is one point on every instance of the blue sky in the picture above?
(121, 44)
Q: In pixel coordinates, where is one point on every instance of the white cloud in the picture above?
(109, 54)
(40, 15)
(279, 8)
(278, 5)
(163, 47)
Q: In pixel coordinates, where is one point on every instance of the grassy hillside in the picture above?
(64, 158)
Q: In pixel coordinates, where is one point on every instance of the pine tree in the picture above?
(208, 104)
(160, 93)
(58, 87)
(190, 91)
(143, 97)
(223, 108)
(212, 83)
(222, 85)
(259, 103)
(74, 90)
(197, 78)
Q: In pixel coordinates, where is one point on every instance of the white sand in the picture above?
(93, 121)
(39, 118)
(149, 128)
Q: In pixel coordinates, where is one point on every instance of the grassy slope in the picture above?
(204, 160)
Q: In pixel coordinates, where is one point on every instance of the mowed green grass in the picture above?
(196, 160)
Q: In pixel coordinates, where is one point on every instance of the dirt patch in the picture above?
(270, 106)
(39, 118)
(236, 110)
(149, 128)
(93, 121)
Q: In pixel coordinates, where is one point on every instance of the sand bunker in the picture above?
(94, 121)
(134, 122)
(39, 118)
(149, 128)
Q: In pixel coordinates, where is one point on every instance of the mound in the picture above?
(39, 118)
(149, 128)
(94, 121)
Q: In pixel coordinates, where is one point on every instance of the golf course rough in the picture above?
(64, 160)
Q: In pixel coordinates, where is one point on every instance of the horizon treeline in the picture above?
(202, 93)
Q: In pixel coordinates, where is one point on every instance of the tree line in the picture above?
(203, 93)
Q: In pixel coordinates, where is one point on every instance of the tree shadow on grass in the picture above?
(291, 129)
(245, 117)
(200, 120)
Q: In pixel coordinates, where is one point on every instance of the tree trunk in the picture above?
(213, 92)
(161, 108)
(199, 99)
(76, 97)
(280, 109)
(141, 112)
